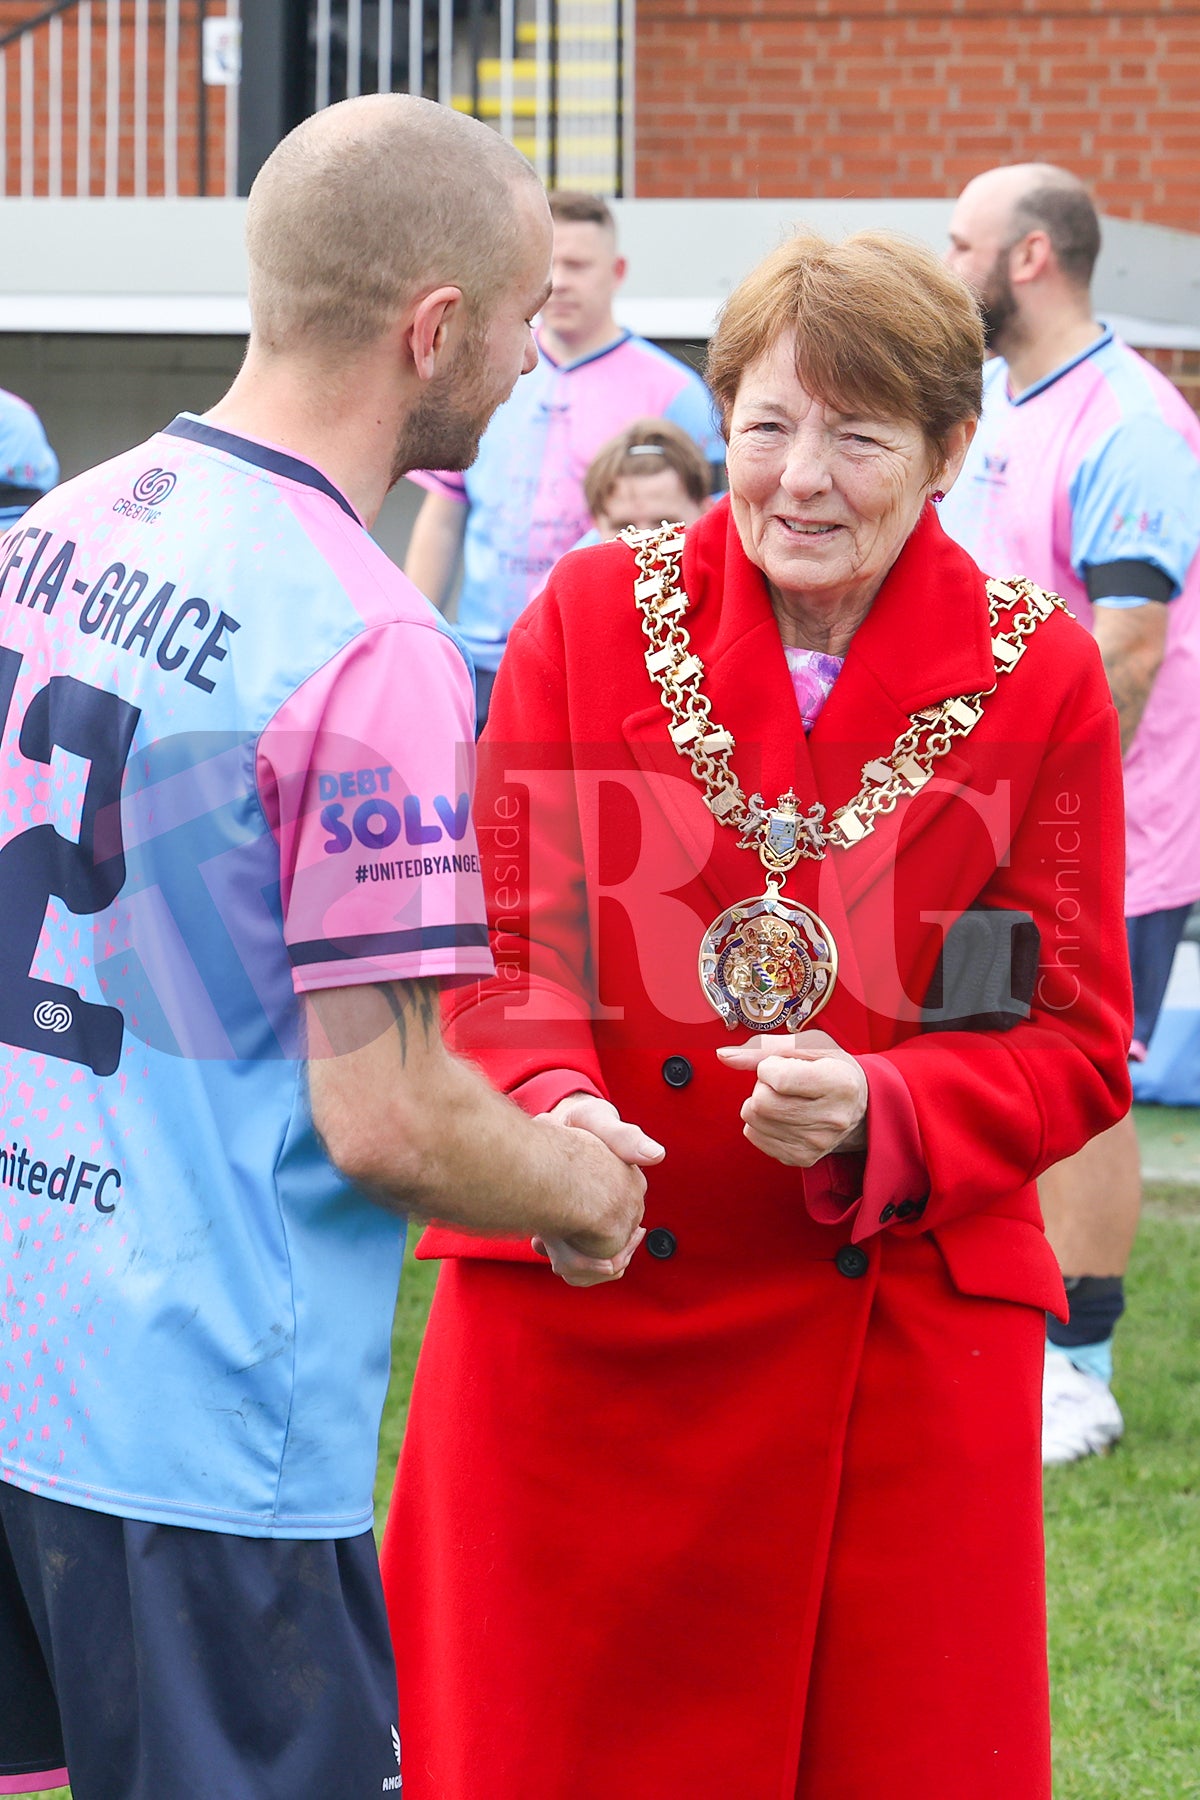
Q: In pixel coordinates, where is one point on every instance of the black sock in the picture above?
(1096, 1302)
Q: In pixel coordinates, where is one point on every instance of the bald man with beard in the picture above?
(1085, 477)
(237, 866)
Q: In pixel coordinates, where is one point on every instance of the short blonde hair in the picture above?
(646, 447)
(881, 327)
(367, 201)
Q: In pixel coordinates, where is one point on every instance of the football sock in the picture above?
(1096, 1303)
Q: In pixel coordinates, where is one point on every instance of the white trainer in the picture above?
(1079, 1415)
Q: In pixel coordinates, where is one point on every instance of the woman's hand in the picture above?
(810, 1096)
(587, 1112)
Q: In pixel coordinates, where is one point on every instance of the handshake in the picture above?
(809, 1099)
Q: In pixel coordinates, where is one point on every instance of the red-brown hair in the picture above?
(881, 328)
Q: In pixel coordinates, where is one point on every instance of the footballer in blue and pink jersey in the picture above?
(525, 490)
(238, 749)
(1093, 469)
(28, 466)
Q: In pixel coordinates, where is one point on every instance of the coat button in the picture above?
(660, 1242)
(851, 1261)
(910, 1209)
(677, 1071)
(889, 1212)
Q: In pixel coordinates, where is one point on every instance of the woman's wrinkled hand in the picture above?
(809, 1098)
(587, 1112)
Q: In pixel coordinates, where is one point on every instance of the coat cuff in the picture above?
(890, 1182)
(541, 1093)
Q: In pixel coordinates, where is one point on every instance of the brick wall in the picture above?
(1183, 368)
(26, 136)
(896, 98)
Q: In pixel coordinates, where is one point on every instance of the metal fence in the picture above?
(108, 97)
(141, 97)
(553, 76)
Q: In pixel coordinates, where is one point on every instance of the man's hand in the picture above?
(809, 1098)
(421, 1131)
(586, 1112)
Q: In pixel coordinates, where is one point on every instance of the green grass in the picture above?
(1123, 1545)
(1122, 1533)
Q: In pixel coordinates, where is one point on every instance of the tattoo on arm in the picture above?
(411, 1001)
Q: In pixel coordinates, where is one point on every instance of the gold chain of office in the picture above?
(782, 834)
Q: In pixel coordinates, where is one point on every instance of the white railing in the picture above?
(553, 76)
(141, 97)
(112, 97)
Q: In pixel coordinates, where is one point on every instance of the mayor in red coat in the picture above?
(804, 844)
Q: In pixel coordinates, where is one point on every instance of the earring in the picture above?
(937, 495)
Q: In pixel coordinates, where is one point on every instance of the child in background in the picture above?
(649, 472)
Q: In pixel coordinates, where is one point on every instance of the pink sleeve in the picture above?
(367, 776)
(446, 482)
(890, 1182)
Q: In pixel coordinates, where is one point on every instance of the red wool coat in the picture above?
(762, 1520)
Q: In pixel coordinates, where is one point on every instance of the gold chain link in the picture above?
(678, 672)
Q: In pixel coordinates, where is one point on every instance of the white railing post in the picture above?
(233, 12)
(543, 51)
(321, 96)
(416, 46)
(55, 108)
(383, 50)
(170, 100)
(353, 48)
(83, 101)
(27, 115)
(112, 97)
(445, 51)
(141, 34)
(628, 145)
(508, 36)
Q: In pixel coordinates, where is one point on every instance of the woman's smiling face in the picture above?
(823, 502)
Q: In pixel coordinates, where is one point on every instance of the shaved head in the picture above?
(370, 202)
(995, 214)
(1029, 197)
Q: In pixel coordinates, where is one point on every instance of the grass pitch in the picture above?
(1122, 1532)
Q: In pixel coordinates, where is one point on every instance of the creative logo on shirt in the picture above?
(150, 489)
(52, 1015)
(377, 822)
(155, 486)
(1149, 524)
(393, 1784)
(994, 467)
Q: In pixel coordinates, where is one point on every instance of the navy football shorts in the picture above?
(159, 1662)
(1153, 939)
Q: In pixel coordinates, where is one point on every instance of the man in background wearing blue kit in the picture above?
(521, 505)
(1084, 476)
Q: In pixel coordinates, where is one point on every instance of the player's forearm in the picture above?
(423, 1132)
(434, 547)
(1131, 676)
(1132, 642)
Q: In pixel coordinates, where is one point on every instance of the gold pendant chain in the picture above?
(783, 834)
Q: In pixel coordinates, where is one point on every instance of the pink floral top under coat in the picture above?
(813, 675)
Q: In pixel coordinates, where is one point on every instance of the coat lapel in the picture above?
(746, 679)
(926, 638)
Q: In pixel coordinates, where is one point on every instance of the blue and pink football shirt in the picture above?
(238, 756)
(1099, 463)
(525, 488)
(28, 466)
